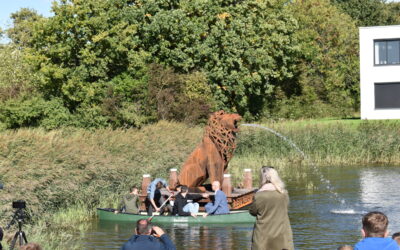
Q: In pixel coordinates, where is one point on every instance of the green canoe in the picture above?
(234, 217)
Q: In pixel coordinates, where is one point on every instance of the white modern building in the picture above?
(380, 72)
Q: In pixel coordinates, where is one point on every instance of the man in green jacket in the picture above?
(130, 203)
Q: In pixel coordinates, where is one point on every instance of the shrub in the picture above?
(33, 112)
(179, 97)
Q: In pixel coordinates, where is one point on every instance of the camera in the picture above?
(19, 204)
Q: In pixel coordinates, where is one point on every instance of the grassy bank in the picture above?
(65, 174)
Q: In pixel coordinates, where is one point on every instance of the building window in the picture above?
(387, 95)
(387, 52)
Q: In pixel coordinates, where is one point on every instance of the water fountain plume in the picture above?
(316, 171)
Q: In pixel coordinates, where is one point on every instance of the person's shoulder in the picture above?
(220, 192)
(268, 195)
(376, 243)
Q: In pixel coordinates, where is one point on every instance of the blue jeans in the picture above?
(191, 208)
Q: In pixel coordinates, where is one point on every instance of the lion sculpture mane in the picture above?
(211, 157)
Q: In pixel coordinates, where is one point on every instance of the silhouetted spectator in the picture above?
(396, 237)
(374, 230)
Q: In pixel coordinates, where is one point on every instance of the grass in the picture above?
(65, 174)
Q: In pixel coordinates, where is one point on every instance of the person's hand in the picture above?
(157, 209)
(205, 195)
(194, 215)
(157, 231)
(205, 215)
(116, 211)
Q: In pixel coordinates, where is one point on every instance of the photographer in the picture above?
(148, 237)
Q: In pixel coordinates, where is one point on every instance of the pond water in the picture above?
(318, 220)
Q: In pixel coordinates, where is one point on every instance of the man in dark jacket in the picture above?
(148, 237)
(181, 205)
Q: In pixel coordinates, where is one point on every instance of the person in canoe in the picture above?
(130, 203)
(184, 208)
(220, 204)
(154, 197)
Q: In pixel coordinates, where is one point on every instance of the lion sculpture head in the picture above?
(222, 129)
(210, 158)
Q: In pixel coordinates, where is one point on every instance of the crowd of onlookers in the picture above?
(272, 230)
(375, 234)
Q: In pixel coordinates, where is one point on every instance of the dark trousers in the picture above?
(159, 200)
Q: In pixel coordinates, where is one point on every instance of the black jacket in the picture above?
(181, 201)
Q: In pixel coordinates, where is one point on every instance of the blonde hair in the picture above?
(270, 175)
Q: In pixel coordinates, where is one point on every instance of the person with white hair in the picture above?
(220, 204)
(272, 229)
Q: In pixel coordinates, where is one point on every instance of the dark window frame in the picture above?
(375, 96)
(386, 40)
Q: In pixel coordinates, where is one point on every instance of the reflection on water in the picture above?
(318, 222)
(379, 191)
(111, 235)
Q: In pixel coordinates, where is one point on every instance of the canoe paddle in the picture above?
(162, 205)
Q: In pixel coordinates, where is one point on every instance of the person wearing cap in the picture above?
(220, 204)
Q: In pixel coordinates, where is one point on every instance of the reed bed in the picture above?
(65, 174)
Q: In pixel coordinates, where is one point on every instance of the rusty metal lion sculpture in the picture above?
(211, 157)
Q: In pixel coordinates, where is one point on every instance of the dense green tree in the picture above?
(87, 55)
(326, 82)
(15, 72)
(367, 12)
(180, 97)
(394, 9)
(23, 25)
(244, 47)
(125, 63)
(83, 45)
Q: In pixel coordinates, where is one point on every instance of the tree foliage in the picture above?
(124, 63)
(15, 73)
(23, 27)
(327, 72)
(244, 47)
(367, 12)
(180, 97)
